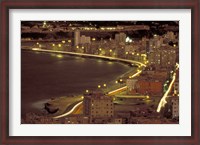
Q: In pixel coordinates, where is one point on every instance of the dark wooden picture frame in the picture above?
(89, 4)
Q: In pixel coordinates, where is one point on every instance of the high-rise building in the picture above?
(120, 37)
(168, 57)
(76, 37)
(98, 105)
(163, 57)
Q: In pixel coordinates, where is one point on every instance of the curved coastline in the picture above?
(87, 56)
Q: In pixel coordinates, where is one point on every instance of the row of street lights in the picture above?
(99, 87)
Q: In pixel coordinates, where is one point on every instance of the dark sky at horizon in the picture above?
(103, 23)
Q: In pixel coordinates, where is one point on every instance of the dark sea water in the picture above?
(47, 75)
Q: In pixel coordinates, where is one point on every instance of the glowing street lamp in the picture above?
(59, 45)
(99, 86)
(63, 41)
(104, 85)
(87, 91)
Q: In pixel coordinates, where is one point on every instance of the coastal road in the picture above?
(89, 55)
(77, 109)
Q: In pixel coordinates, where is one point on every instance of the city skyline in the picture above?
(148, 93)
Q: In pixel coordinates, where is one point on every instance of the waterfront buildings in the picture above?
(158, 50)
(98, 107)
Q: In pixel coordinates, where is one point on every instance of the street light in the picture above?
(104, 85)
(59, 45)
(99, 86)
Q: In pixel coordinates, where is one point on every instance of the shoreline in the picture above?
(126, 61)
(112, 84)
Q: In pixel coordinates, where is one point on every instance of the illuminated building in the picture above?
(163, 57)
(176, 84)
(130, 83)
(120, 37)
(150, 87)
(176, 88)
(168, 57)
(85, 40)
(170, 35)
(98, 107)
(76, 37)
(175, 107)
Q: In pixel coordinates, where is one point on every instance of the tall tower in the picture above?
(76, 37)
